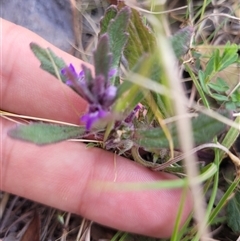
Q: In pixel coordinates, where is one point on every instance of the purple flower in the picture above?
(93, 115)
(132, 114)
(98, 92)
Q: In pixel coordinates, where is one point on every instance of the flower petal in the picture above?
(98, 87)
(78, 83)
(132, 114)
(109, 96)
(112, 73)
(92, 117)
(70, 73)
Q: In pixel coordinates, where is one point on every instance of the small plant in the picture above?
(129, 106)
(214, 85)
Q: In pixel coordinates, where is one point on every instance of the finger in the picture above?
(66, 176)
(28, 90)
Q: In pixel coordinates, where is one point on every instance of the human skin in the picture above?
(69, 176)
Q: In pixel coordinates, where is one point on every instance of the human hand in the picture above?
(61, 175)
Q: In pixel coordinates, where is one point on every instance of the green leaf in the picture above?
(202, 77)
(235, 96)
(205, 128)
(142, 58)
(42, 133)
(229, 56)
(219, 97)
(110, 14)
(181, 41)
(221, 60)
(116, 30)
(216, 58)
(230, 106)
(141, 40)
(49, 61)
(209, 68)
(102, 57)
(220, 85)
(233, 213)
(230, 138)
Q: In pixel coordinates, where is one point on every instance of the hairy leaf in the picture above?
(115, 25)
(142, 58)
(205, 128)
(102, 57)
(141, 40)
(233, 213)
(181, 41)
(49, 61)
(42, 133)
(110, 14)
